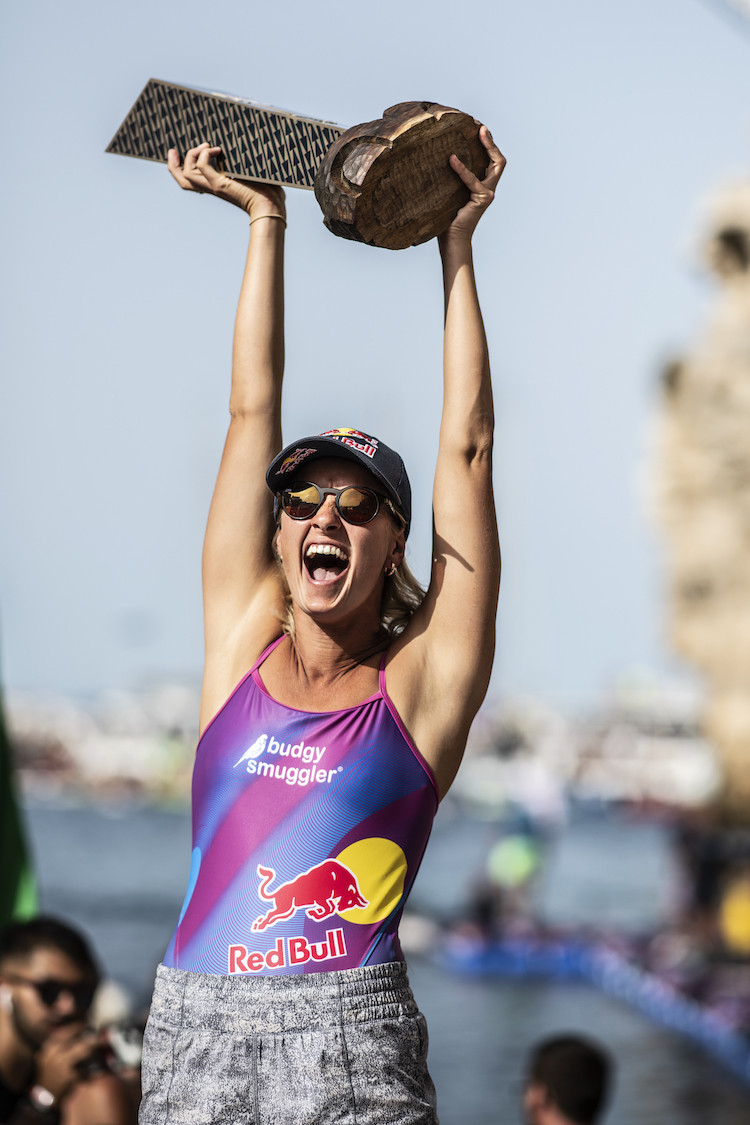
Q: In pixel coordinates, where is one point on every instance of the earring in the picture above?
(390, 570)
(6, 998)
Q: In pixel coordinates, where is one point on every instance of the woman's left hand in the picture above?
(482, 191)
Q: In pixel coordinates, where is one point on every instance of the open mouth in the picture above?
(324, 562)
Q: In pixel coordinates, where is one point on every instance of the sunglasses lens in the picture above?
(358, 505)
(83, 998)
(301, 503)
(49, 990)
(49, 993)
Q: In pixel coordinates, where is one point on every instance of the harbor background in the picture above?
(120, 872)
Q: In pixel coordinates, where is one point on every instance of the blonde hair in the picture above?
(402, 597)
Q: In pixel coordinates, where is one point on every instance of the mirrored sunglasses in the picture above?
(354, 505)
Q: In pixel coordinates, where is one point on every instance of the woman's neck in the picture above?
(326, 654)
(325, 669)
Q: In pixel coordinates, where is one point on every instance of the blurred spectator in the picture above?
(568, 1082)
(53, 1065)
(734, 914)
(702, 846)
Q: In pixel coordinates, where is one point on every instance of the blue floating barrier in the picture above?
(613, 974)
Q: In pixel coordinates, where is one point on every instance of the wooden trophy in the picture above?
(389, 183)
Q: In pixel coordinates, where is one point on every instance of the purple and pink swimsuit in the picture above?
(308, 831)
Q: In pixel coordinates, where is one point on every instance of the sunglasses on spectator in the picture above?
(354, 505)
(49, 991)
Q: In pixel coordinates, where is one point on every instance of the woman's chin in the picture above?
(321, 603)
(327, 608)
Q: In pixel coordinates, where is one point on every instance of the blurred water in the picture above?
(604, 870)
(122, 877)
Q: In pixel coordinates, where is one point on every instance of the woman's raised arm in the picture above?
(242, 590)
(443, 662)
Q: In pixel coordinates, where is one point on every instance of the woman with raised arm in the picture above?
(336, 704)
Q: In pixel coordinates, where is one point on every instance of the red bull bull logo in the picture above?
(295, 458)
(326, 889)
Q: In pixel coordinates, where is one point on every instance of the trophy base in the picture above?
(389, 183)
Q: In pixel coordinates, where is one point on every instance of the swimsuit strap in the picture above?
(381, 676)
(266, 652)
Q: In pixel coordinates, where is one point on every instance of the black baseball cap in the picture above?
(384, 463)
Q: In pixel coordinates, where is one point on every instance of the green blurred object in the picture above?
(18, 891)
(512, 861)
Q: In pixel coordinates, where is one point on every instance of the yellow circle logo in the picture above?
(380, 868)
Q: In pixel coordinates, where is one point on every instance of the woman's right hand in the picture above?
(198, 174)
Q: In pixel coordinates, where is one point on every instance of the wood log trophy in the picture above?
(386, 183)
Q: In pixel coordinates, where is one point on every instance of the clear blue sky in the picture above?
(119, 295)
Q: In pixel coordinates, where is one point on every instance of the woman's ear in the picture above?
(398, 550)
(277, 543)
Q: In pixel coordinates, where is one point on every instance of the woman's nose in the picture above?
(327, 515)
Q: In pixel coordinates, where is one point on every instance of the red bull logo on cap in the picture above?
(326, 889)
(295, 458)
(367, 445)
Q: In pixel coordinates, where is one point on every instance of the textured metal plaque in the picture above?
(258, 142)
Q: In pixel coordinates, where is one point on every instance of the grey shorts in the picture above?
(347, 1047)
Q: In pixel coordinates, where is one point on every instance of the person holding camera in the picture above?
(52, 1064)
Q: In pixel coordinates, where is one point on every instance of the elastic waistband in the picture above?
(306, 1002)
